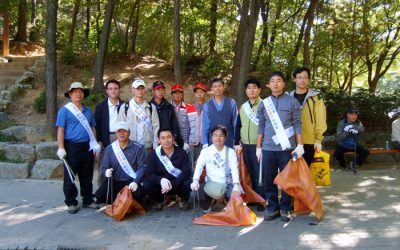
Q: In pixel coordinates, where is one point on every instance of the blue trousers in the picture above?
(271, 162)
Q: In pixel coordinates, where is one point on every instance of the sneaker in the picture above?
(261, 207)
(73, 209)
(183, 205)
(271, 215)
(285, 216)
(353, 167)
(92, 205)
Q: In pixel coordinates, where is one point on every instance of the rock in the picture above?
(19, 152)
(5, 94)
(24, 79)
(47, 169)
(47, 150)
(3, 116)
(14, 170)
(16, 90)
(22, 133)
(34, 69)
(4, 104)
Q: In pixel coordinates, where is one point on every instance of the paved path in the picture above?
(361, 212)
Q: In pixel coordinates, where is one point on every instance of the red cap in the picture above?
(200, 86)
(176, 87)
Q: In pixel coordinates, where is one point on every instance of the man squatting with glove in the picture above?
(76, 137)
(279, 118)
(124, 161)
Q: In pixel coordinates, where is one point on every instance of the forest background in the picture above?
(352, 47)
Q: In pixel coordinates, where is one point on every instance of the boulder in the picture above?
(3, 116)
(4, 104)
(22, 133)
(47, 150)
(47, 169)
(34, 69)
(16, 90)
(25, 78)
(5, 94)
(19, 152)
(14, 170)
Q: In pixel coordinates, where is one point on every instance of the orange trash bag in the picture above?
(297, 181)
(249, 196)
(235, 214)
(123, 205)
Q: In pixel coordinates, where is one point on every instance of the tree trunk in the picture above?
(22, 21)
(77, 4)
(248, 11)
(270, 44)
(33, 13)
(99, 63)
(310, 20)
(135, 28)
(265, 8)
(87, 29)
(128, 26)
(353, 48)
(213, 25)
(177, 42)
(51, 67)
(98, 29)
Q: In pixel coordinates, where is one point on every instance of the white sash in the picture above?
(123, 162)
(82, 119)
(276, 123)
(141, 114)
(167, 163)
(250, 113)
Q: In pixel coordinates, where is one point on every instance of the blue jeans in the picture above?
(271, 162)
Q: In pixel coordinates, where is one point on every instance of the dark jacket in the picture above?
(348, 139)
(166, 114)
(101, 116)
(156, 170)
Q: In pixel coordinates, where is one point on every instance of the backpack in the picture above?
(127, 107)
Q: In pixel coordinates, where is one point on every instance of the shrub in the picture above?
(39, 103)
(93, 99)
(68, 56)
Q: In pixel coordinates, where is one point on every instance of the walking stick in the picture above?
(196, 209)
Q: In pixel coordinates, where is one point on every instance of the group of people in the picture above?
(162, 147)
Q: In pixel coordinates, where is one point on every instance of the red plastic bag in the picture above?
(297, 181)
(249, 196)
(235, 214)
(123, 205)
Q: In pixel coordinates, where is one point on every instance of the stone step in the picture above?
(10, 170)
(47, 169)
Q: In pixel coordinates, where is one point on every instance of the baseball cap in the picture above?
(158, 85)
(138, 83)
(200, 86)
(176, 87)
(122, 125)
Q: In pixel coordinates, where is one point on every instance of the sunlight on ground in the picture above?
(392, 232)
(205, 248)
(11, 216)
(98, 232)
(177, 245)
(385, 178)
(396, 207)
(350, 239)
(246, 230)
(366, 183)
(309, 239)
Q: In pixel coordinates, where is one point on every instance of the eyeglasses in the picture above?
(218, 136)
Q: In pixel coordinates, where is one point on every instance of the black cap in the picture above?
(352, 110)
(158, 85)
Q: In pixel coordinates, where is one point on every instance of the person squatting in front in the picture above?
(168, 172)
(124, 161)
(279, 117)
(77, 145)
(221, 168)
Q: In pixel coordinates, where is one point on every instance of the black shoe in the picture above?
(92, 205)
(271, 216)
(261, 207)
(73, 209)
(353, 167)
(158, 206)
(285, 216)
(183, 205)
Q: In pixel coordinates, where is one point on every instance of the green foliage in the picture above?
(39, 104)
(7, 138)
(5, 124)
(68, 56)
(374, 108)
(93, 99)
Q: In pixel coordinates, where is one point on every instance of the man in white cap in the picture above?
(125, 162)
(141, 117)
(76, 137)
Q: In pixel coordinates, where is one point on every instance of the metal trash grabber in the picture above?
(196, 209)
(110, 186)
(69, 170)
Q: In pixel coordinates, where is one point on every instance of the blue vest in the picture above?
(223, 117)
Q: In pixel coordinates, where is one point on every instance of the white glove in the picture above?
(186, 147)
(236, 147)
(318, 147)
(165, 185)
(61, 153)
(258, 153)
(236, 188)
(298, 152)
(133, 186)
(353, 131)
(204, 146)
(346, 129)
(96, 149)
(109, 172)
(195, 185)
